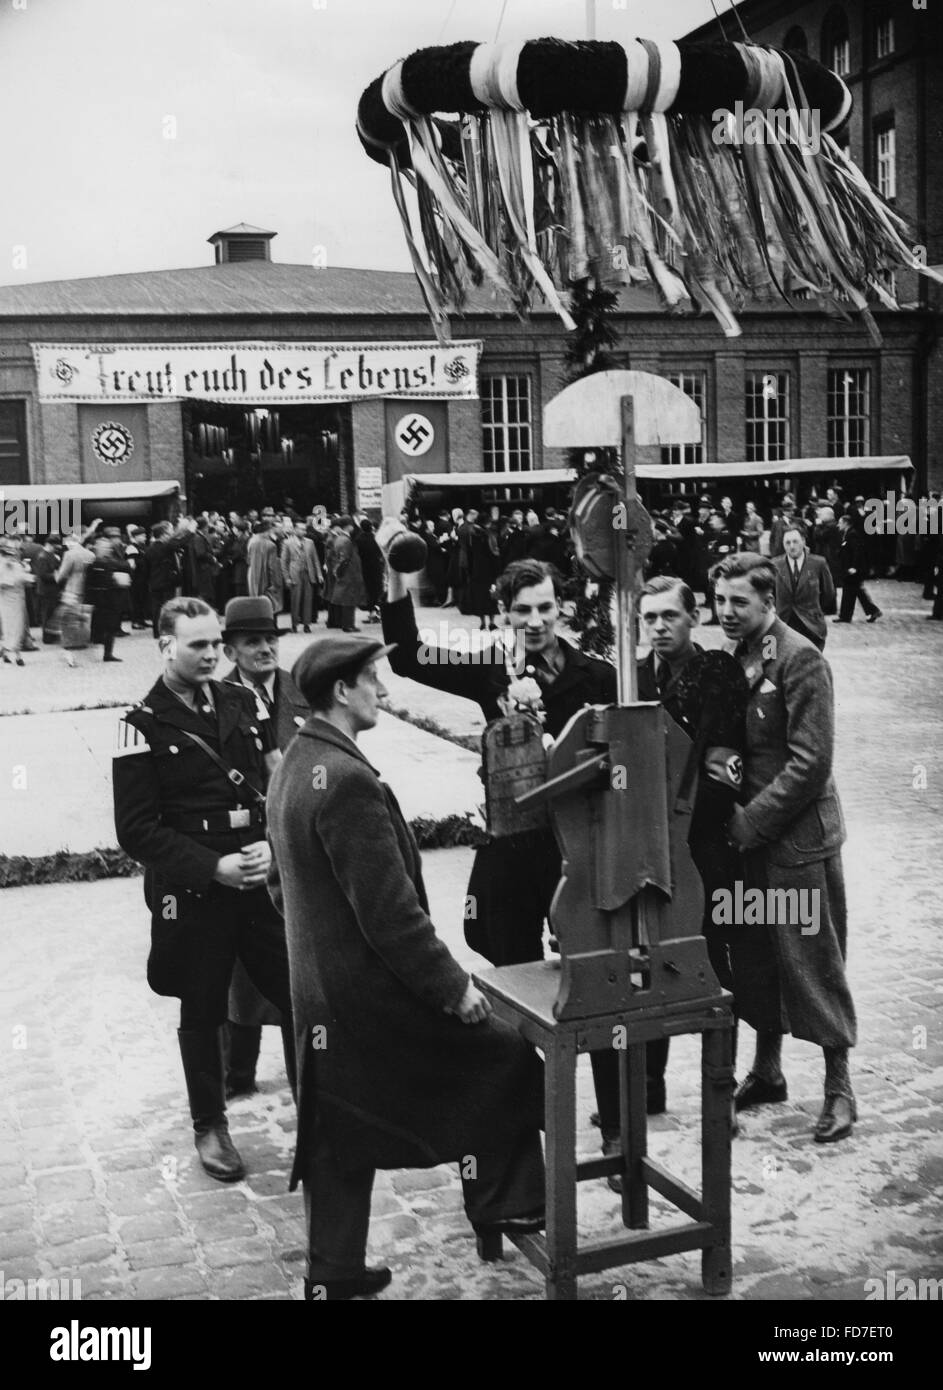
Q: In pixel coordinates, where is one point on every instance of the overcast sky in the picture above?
(260, 97)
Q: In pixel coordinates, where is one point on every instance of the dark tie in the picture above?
(663, 677)
(263, 695)
(795, 573)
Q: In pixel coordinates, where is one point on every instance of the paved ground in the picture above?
(98, 1179)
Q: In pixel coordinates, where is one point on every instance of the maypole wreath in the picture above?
(704, 169)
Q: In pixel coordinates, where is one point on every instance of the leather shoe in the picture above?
(362, 1285)
(524, 1225)
(838, 1115)
(218, 1154)
(873, 617)
(755, 1091)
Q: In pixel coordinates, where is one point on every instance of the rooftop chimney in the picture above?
(242, 243)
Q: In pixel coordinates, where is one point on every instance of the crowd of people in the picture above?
(81, 590)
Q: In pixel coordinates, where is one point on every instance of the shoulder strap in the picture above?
(237, 778)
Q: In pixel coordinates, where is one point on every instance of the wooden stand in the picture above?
(524, 995)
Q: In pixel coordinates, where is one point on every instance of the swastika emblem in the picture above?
(113, 443)
(414, 435)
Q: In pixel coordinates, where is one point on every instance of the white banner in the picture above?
(256, 373)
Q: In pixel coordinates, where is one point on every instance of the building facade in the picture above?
(794, 385)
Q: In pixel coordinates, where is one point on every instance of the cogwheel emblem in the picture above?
(63, 371)
(456, 369)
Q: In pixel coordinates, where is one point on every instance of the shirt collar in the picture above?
(268, 684)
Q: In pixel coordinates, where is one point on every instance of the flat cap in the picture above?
(321, 663)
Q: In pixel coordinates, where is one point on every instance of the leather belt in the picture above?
(216, 822)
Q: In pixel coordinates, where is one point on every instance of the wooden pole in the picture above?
(625, 569)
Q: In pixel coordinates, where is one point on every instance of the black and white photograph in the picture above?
(492, 875)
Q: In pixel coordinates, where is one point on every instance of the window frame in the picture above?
(883, 129)
(672, 454)
(496, 433)
(835, 423)
(751, 396)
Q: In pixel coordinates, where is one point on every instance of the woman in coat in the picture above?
(14, 579)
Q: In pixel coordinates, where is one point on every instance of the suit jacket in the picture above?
(397, 1081)
(811, 599)
(291, 708)
(790, 797)
(853, 555)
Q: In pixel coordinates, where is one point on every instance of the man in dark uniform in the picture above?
(250, 635)
(189, 775)
(161, 564)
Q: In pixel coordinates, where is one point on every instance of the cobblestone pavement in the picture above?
(98, 1178)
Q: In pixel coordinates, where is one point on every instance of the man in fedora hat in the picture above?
(250, 635)
(404, 1065)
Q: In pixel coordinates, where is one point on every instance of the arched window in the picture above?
(835, 46)
(796, 40)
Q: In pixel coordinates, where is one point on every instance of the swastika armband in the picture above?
(724, 765)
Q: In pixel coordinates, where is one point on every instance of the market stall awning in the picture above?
(668, 472)
(86, 492)
(783, 468)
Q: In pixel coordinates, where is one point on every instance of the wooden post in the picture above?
(625, 569)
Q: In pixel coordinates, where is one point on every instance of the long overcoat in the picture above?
(789, 978)
(397, 1082)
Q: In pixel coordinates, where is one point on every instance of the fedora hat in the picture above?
(249, 615)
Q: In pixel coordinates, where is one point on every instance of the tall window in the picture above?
(767, 416)
(885, 154)
(693, 384)
(506, 423)
(884, 37)
(849, 407)
(836, 51)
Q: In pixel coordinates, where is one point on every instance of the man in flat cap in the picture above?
(401, 1063)
(250, 635)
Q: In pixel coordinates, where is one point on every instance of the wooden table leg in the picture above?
(716, 1091)
(560, 1082)
(633, 1125)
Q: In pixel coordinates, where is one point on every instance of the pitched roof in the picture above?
(242, 229)
(245, 288)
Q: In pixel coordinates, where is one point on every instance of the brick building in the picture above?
(793, 386)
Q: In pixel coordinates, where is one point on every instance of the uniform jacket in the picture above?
(811, 599)
(159, 774)
(291, 708)
(396, 1080)
(790, 798)
(584, 680)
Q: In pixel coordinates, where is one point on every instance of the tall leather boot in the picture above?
(201, 1052)
(244, 1042)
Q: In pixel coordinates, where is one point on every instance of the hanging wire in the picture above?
(447, 21)
(720, 25)
(500, 20)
